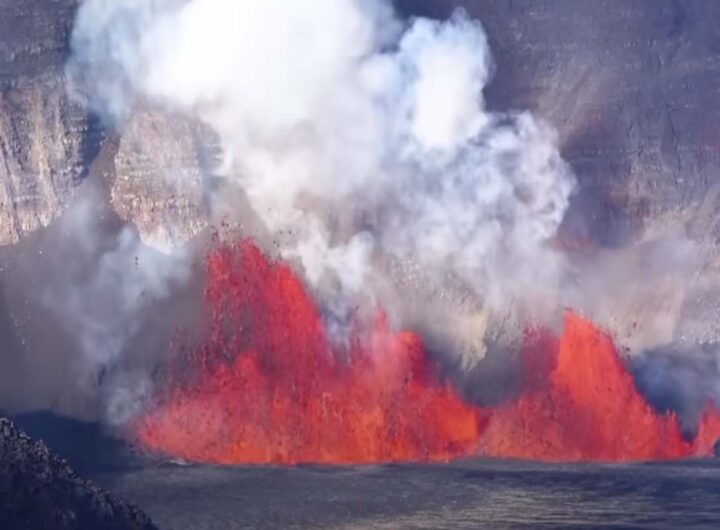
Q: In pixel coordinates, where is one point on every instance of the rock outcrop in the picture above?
(39, 490)
(161, 171)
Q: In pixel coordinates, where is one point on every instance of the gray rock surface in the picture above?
(33, 38)
(159, 176)
(47, 141)
(38, 490)
(630, 85)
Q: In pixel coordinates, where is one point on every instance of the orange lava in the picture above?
(269, 388)
(580, 403)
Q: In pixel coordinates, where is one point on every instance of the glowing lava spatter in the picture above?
(580, 403)
(269, 388)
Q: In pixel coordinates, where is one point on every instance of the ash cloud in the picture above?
(80, 294)
(100, 291)
(362, 141)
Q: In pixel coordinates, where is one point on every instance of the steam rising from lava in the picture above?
(362, 142)
(103, 279)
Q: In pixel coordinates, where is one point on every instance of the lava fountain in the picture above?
(267, 386)
(579, 402)
(270, 389)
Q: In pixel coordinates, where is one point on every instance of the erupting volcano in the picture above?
(579, 402)
(268, 387)
(271, 389)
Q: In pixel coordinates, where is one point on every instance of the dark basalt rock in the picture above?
(38, 490)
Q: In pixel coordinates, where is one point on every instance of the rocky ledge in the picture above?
(39, 490)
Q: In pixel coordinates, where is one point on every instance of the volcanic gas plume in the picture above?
(268, 387)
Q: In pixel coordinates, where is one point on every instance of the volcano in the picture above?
(267, 386)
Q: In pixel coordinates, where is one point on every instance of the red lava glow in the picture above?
(268, 387)
(281, 395)
(580, 403)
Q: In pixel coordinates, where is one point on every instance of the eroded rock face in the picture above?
(161, 171)
(33, 37)
(45, 145)
(47, 141)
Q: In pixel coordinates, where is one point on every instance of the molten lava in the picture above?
(271, 390)
(268, 387)
(581, 403)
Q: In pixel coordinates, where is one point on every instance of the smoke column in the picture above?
(362, 141)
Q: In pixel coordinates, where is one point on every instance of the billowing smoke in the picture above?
(103, 283)
(361, 141)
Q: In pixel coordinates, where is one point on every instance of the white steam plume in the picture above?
(365, 136)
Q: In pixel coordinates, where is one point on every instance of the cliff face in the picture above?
(33, 37)
(46, 141)
(161, 167)
(46, 144)
(629, 85)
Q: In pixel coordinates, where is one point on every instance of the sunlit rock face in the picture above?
(47, 141)
(162, 168)
(44, 138)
